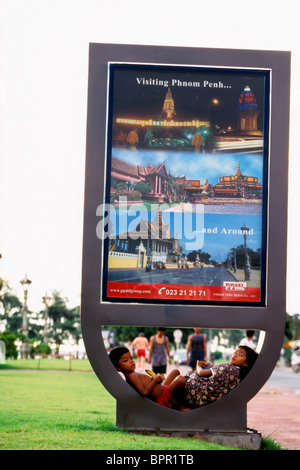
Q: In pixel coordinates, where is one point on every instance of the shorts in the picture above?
(192, 363)
(141, 353)
(196, 357)
(166, 398)
(159, 369)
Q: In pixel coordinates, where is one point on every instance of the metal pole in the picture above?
(46, 300)
(25, 346)
(245, 231)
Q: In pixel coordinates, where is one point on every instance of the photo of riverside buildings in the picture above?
(166, 188)
(136, 184)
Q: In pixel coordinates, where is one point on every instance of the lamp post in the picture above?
(245, 231)
(25, 346)
(229, 265)
(234, 259)
(212, 102)
(46, 300)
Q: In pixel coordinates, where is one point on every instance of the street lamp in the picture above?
(212, 102)
(229, 264)
(234, 259)
(46, 300)
(25, 346)
(245, 231)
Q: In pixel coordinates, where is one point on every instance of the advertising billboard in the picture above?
(185, 212)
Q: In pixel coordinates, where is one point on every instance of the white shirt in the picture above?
(247, 342)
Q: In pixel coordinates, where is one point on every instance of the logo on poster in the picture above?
(235, 286)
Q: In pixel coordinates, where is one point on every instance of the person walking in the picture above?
(140, 344)
(159, 351)
(196, 348)
(248, 341)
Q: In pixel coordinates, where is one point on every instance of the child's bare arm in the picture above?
(143, 389)
(201, 371)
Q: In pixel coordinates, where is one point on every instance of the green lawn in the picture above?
(47, 410)
(82, 365)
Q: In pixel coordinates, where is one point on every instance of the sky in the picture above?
(44, 48)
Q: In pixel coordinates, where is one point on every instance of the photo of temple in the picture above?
(156, 184)
(212, 128)
(168, 110)
(150, 243)
(156, 179)
(247, 111)
(238, 186)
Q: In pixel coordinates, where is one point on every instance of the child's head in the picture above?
(244, 357)
(122, 359)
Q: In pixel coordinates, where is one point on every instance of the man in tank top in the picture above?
(159, 351)
(196, 348)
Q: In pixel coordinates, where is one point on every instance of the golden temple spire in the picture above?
(168, 106)
(238, 170)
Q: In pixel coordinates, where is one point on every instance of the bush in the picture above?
(41, 348)
(217, 355)
(9, 339)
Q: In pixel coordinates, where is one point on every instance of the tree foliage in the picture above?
(63, 322)
(11, 308)
(9, 338)
(202, 255)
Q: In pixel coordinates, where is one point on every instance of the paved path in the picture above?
(275, 412)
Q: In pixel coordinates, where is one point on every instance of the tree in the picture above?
(58, 313)
(202, 255)
(254, 257)
(292, 328)
(63, 322)
(72, 324)
(9, 339)
(148, 136)
(142, 187)
(11, 312)
(132, 139)
(41, 348)
(197, 142)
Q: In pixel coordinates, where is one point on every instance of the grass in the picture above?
(43, 410)
(48, 364)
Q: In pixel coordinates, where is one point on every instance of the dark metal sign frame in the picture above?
(229, 413)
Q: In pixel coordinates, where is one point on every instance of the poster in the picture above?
(185, 211)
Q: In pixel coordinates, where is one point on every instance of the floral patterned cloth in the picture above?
(200, 391)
